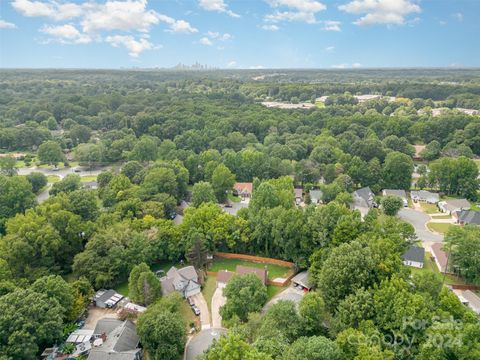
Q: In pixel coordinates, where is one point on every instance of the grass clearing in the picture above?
(274, 271)
(320, 104)
(188, 315)
(235, 199)
(431, 266)
(208, 289)
(441, 228)
(274, 290)
(441, 216)
(429, 208)
(88, 178)
(53, 179)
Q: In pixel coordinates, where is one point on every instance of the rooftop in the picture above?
(414, 253)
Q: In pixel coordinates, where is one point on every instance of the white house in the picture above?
(454, 205)
(414, 256)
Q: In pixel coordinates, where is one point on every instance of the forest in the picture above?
(161, 139)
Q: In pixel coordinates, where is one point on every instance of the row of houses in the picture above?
(245, 190)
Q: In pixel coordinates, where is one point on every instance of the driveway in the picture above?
(201, 303)
(201, 342)
(419, 220)
(218, 300)
(44, 194)
(235, 207)
(289, 293)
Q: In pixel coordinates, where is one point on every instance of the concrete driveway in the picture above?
(201, 303)
(201, 342)
(419, 220)
(235, 207)
(218, 300)
(289, 293)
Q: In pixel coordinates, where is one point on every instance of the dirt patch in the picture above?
(95, 314)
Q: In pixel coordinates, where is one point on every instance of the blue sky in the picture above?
(239, 33)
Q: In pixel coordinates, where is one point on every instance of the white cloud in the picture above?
(346, 66)
(330, 25)
(232, 64)
(458, 16)
(219, 36)
(218, 6)
(270, 27)
(206, 41)
(7, 25)
(330, 49)
(298, 10)
(256, 67)
(356, 65)
(381, 11)
(134, 47)
(181, 27)
(340, 66)
(66, 34)
(50, 9)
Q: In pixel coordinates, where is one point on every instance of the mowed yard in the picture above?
(274, 271)
(431, 266)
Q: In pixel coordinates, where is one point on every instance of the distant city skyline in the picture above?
(338, 34)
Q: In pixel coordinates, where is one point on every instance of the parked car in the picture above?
(160, 273)
(196, 310)
(76, 170)
(190, 301)
(56, 169)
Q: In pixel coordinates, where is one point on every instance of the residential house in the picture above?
(90, 185)
(184, 280)
(262, 274)
(223, 277)
(80, 336)
(364, 200)
(302, 279)
(414, 256)
(441, 257)
(316, 196)
(424, 196)
(298, 195)
(244, 189)
(468, 217)
(453, 205)
(399, 193)
(106, 298)
(115, 340)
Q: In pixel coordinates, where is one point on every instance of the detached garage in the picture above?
(302, 279)
(106, 298)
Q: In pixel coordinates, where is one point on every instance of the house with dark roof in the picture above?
(468, 217)
(441, 257)
(223, 277)
(414, 256)
(106, 298)
(184, 280)
(364, 200)
(399, 193)
(115, 340)
(453, 205)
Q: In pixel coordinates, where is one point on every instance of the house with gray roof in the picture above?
(302, 279)
(399, 193)
(468, 217)
(115, 340)
(316, 196)
(424, 196)
(414, 256)
(454, 205)
(106, 298)
(364, 200)
(184, 280)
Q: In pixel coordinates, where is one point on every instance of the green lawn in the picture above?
(274, 290)
(188, 315)
(122, 288)
(88, 178)
(441, 216)
(431, 266)
(319, 104)
(441, 228)
(274, 271)
(429, 208)
(235, 199)
(208, 290)
(53, 178)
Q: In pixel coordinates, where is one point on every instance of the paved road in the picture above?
(201, 342)
(62, 172)
(418, 219)
(44, 194)
(201, 303)
(218, 300)
(289, 293)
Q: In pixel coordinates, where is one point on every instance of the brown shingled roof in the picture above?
(261, 273)
(223, 276)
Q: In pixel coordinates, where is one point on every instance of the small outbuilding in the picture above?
(302, 279)
(316, 196)
(106, 298)
(414, 256)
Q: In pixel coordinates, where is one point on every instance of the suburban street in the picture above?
(61, 173)
(419, 220)
(201, 342)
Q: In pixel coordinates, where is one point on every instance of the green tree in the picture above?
(15, 197)
(50, 152)
(54, 287)
(143, 286)
(314, 347)
(28, 320)
(159, 180)
(144, 150)
(79, 134)
(37, 180)
(431, 151)
(202, 192)
(464, 245)
(162, 333)
(397, 171)
(222, 182)
(131, 169)
(245, 294)
(69, 183)
(89, 155)
(282, 317)
(314, 314)
(7, 166)
(232, 347)
(391, 204)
